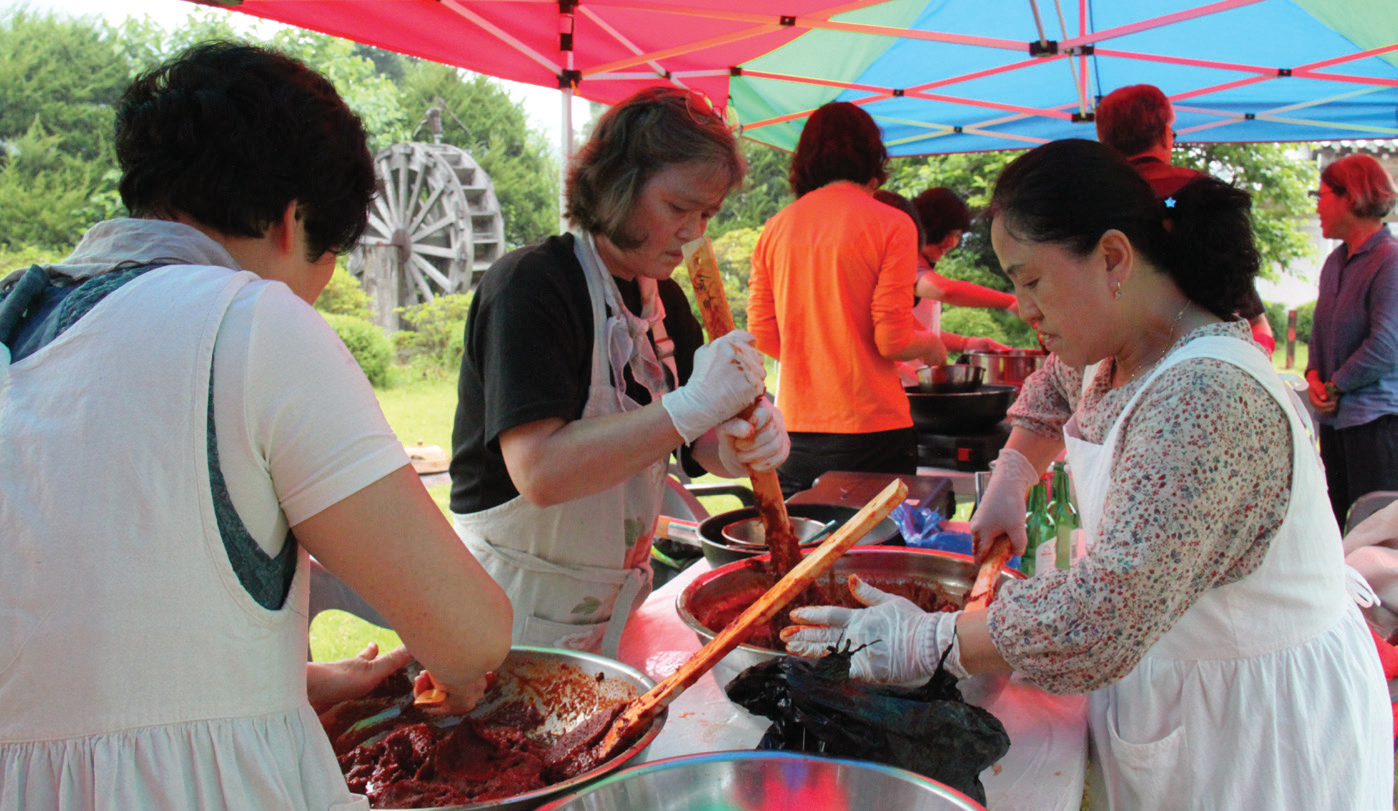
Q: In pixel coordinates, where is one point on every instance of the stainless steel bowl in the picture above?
(749, 534)
(529, 676)
(1008, 366)
(767, 780)
(737, 584)
(719, 551)
(950, 379)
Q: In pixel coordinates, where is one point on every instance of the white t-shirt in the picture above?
(289, 450)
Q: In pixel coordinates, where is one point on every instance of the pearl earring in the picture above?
(1116, 291)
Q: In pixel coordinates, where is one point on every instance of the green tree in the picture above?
(481, 118)
(1277, 176)
(765, 191)
(64, 74)
(59, 82)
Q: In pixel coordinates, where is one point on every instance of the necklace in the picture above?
(1174, 325)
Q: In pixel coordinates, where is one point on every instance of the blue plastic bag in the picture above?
(922, 528)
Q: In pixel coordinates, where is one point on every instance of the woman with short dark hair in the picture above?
(584, 369)
(180, 431)
(1352, 369)
(831, 298)
(1226, 665)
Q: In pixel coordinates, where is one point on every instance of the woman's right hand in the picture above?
(728, 377)
(458, 699)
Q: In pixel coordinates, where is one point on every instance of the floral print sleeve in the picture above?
(1195, 499)
(1047, 398)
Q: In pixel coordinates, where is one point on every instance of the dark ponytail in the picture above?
(1071, 192)
(1213, 255)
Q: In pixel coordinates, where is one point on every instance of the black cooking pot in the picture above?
(970, 412)
(720, 552)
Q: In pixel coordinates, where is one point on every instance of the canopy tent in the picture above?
(938, 75)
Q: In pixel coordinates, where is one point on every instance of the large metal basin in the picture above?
(738, 584)
(566, 687)
(765, 780)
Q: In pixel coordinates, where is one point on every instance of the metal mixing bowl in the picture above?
(742, 582)
(719, 551)
(749, 533)
(531, 676)
(767, 780)
(950, 379)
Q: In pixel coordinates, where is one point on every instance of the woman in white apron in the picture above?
(1226, 665)
(178, 434)
(571, 400)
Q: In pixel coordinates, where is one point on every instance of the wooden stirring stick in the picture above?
(718, 321)
(640, 711)
(983, 590)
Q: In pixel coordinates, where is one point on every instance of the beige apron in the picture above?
(1238, 703)
(575, 571)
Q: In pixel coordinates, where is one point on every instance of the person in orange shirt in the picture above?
(944, 217)
(830, 297)
(928, 311)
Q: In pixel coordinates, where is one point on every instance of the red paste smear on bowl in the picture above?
(496, 756)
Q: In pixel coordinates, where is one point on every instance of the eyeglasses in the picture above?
(1322, 191)
(700, 107)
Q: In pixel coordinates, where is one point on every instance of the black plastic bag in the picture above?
(816, 708)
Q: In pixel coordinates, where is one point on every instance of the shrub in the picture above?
(433, 332)
(367, 343)
(344, 296)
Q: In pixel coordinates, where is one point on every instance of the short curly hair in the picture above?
(840, 141)
(641, 136)
(229, 134)
(1133, 119)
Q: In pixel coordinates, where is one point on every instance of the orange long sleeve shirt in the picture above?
(830, 293)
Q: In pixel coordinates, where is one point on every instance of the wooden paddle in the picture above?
(983, 590)
(718, 321)
(639, 713)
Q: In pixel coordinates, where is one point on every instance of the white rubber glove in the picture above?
(757, 444)
(728, 375)
(903, 642)
(1001, 511)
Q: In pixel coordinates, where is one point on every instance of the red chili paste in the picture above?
(927, 595)
(417, 764)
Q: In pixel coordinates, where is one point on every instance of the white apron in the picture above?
(575, 571)
(1267, 693)
(136, 671)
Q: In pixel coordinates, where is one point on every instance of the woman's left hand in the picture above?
(897, 641)
(756, 444)
(329, 683)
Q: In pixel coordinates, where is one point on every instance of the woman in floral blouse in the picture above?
(1227, 666)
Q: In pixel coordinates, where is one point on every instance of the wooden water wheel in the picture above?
(434, 227)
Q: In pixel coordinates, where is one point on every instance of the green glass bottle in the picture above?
(1065, 516)
(1038, 526)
